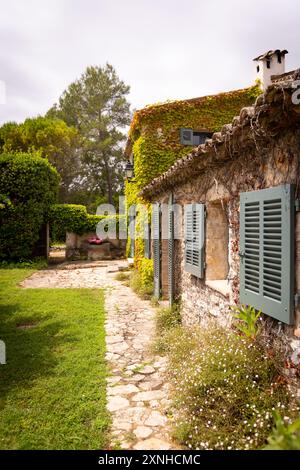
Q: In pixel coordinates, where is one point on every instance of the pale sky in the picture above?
(163, 49)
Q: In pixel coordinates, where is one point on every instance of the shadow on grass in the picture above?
(31, 344)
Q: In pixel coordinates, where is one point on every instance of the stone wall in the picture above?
(78, 247)
(259, 167)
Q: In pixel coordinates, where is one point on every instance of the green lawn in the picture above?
(52, 389)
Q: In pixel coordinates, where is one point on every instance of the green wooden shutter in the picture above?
(194, 239)
(147, 240)
(132, 230)
(156, 248)
(171, 250)
(267, 251)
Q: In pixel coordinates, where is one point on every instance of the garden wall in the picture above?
(79, 248)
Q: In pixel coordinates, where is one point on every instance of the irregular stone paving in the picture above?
(76, 275)
(137, 392)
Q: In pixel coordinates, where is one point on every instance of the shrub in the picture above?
(74, 218)
(146, 271)
(35, 263)
(225, 389)
(28, 187)
(141, 282)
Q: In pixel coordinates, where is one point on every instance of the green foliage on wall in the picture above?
(74, 218)
(146, 270)
(155, 129)
(155, 136)
(28, 187)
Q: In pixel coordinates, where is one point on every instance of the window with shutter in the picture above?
(171, 251)
(267, 251)
(156, 247)
(191, 137)
(132, 215)
(194, 239)
(147, 240)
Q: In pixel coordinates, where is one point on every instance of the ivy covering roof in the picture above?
(205, 113)
(272, 112)
(154, 138)
(154, 135)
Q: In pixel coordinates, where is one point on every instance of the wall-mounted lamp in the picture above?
(129, 170)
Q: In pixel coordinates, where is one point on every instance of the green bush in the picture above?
(225, 389)
(141, 282)
(74, 218)
(28, 187)
(146, 271)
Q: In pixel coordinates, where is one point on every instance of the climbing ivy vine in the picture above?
(155, 130)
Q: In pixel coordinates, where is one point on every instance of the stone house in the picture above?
(159, 135)
(233, 203)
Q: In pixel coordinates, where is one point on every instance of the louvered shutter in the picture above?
(147, 240)
(194, 239)
(132, 230)
(171, 250)
(156, 248)
(186, 136)
(267, 251)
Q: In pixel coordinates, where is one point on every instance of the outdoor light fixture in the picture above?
(129, 170)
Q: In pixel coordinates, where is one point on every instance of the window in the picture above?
(156, 230)
(147, 240)
(267, 251)
(194, 224)
(268, 63)
(171, 250)
(132, 216)
(194, 138)
(200, 137)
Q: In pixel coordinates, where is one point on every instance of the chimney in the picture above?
(269, 64)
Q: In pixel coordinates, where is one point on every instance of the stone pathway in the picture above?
(137, 392)
(97, 274)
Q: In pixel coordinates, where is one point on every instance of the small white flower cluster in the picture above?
(225, 390)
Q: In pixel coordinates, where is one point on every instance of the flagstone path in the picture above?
(137, 392)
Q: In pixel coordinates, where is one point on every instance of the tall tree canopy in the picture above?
(52, 139)
(97, 106)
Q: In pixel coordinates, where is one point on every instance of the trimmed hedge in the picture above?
(28, 188)
(74, 218)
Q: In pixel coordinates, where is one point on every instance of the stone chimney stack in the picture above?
(269, 64)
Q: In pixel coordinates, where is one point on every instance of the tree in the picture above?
(96, 105)
(52, 139)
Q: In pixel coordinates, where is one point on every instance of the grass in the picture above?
(52, 388)
(167, 319)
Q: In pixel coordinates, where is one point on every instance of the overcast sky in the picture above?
(163, 49)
